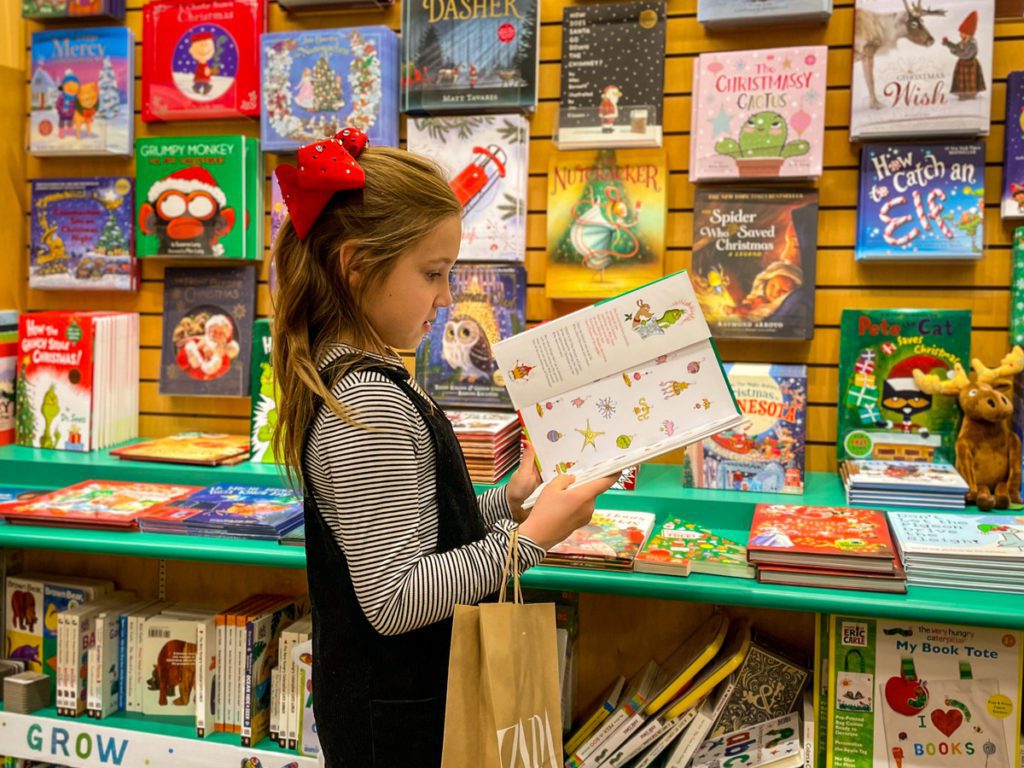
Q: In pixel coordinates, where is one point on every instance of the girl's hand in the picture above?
(523, 482)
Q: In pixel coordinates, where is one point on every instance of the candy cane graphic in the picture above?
(919, 209)
(895, 222)
(935, 212)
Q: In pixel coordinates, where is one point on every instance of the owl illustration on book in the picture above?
(466, 348)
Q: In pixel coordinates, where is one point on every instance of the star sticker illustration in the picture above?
(721, 122)
(589, 436)
(787, 64)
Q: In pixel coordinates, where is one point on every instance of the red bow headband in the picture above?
(324, 167)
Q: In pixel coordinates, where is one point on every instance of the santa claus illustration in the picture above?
(608, 111)
(900, 392)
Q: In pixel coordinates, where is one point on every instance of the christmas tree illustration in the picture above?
(24, 417)
(111, 240)
(326, 87)
(687, 471)
(110, 99)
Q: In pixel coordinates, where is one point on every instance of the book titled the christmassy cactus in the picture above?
(1013, 156)
(758, 113)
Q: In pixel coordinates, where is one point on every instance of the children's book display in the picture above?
(264, 392)
(619, 382)
(316, 82)
(610, 96)
(903, 483)
(199, 448)
(766, 453)
(45, 10)
(920, 202)
(913, 694)
(883, 414)
(94, 504)
(82, 92)
(201, 60)
(731, 14)
(678, 547)
(82, 234)
(234, 511)
(469, 58)
(921, 70)
(754, 254)
(609, 541)
(758, 114)
(486, 159)
(207, 331)
(1013, 155)
(605, 222)
(8, 372)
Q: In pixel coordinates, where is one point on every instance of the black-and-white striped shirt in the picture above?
(376, 490)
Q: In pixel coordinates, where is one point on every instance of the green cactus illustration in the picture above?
(763, 135)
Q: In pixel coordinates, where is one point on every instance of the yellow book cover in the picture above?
(187, 448)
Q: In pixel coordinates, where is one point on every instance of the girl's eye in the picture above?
(433, 275)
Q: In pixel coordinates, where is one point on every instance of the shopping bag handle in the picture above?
(511, 558)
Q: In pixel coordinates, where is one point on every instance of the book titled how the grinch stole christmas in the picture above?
(883, 414)
(758, 114)
(82, 92)
(486, 159)
(606, 222)
(316, 82)
(264, 392)
(201, 59)
(921, 201)
(1013, 150)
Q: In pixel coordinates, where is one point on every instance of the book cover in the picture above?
(728, 14)
(834, 578)
(974, 537)
(605, 222)
(882, 412)
(207, 331)
(316, 82)
(482, 425)
(768, 686)
(263, 635)
(921, 201)
(169, 665)
(264, 392)
(203, 448)
(758, 114)
(903, 476)
(454, 363)
(1013, 149)
(754, 255)
(45, 10)
(233, 508)
(8, 374)
(201, 59)
(97, 502)
(914, 694)
(82, 92)
(82, 234)
(772, 744)
(767, 452)
(486, 159)
(921, 70)
(1017, 297)
(610, 96)
(612, 538)
(469, 59)
(680, 546)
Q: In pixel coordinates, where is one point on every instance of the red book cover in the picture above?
(825, 537)
(200, 60)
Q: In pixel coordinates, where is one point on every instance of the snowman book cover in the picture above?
(921, 201)
(611, 97)
(606, 222)
(82, 92)
(486, 159)
(1013, 157)
(883, 414)
(754, 254)
(758, 114)
(201, 59)
(317, 82)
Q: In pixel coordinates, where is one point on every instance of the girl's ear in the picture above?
(349, 271)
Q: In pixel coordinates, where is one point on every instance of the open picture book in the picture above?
(619, 382)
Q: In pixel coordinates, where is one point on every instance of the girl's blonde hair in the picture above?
(405, 198)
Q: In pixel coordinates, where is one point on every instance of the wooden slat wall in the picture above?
(982, 287)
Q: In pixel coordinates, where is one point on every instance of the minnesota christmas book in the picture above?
(766, 453)
(610, 96)
(729, 14)
(487, 162)
(45, 10)
(455, 363)
(264, 391)
(606, 222)
(201, 59)
(82, 92)
(758, 114)
(469, 57)
(207, 331)
(882, 412)
(316, 82)
(82, 234)
(921, 70)
(754, 254)
(921, 201)
(1013, 150)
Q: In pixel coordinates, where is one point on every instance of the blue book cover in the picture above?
(767, 452)
(317, 82)
(82, 89)
(235, 507)
(455, 363)
(82, 234)
(744, 13)
(921, 201)
(1013, 158)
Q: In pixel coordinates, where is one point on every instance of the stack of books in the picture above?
(202, 448)
(230, 511)
(678, 548)
(610, 541)
(831, 547)
(956, 551)
(903, 484)
(490, 442)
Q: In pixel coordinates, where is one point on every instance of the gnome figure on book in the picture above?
(968, 79)
(608, 111)
(901, 393)
(188, 212)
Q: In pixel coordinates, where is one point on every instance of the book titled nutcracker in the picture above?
(81, 234)
(610, 96)
(1013, 150)
(758, 114)
(883, 414)
(487, 162)
(201, 59)
(316, 82)
(921, 70)
(469, 57)
(82, 92)
(921, 201)
(754, 254)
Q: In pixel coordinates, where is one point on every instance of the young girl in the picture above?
(395, 536)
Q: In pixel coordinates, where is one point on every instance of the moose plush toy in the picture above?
(988, 452)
